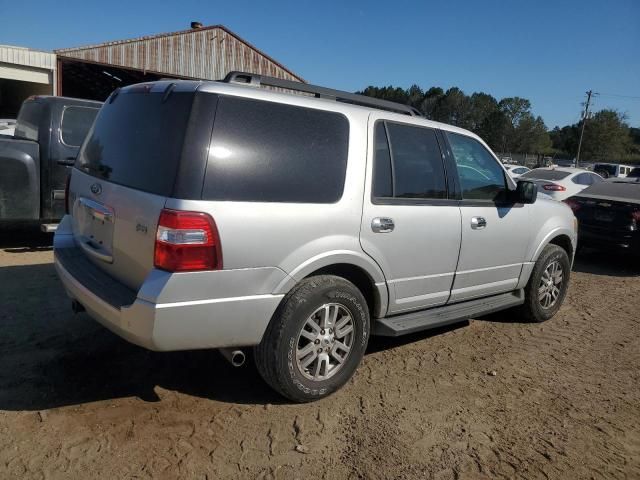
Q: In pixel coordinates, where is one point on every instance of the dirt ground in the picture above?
(564, 402)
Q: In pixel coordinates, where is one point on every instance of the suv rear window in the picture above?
(269, 152)
(136, 140)
(544, 174)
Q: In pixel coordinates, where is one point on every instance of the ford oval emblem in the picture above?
(96, 189)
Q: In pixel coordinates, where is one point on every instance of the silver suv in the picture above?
(226, 215)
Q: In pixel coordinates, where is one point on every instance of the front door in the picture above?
(409, 225)
(495, 233)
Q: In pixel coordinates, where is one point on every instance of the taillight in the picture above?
(187, 241)
(635, 220)
(66, 195)
(554, 187)
(573, 204)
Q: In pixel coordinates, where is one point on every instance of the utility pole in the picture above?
(584, 121)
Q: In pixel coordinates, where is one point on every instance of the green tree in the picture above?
(606, 137)
(430, 100)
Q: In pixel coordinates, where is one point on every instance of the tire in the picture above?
(298, 323)
(602, 173)
(535, 308)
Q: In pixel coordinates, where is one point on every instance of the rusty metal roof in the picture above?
(204, 53)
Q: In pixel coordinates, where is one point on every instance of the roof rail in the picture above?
(255, 80)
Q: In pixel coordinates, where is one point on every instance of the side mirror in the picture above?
(526, 192)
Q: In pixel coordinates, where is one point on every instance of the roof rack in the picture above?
(256, 80)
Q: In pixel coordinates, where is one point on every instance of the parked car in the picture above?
(608, 215)
(607, 170)
(561, 182)
(266, 220)
(7, 126)
(516, 170)
(632, 177)
(34, 163)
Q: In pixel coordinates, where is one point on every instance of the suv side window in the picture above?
(76, 122)
(270, 152)
(481, 177)
(407, 163)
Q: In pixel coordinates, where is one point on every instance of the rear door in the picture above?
(495, 233)
(409, 225)
(126, 170)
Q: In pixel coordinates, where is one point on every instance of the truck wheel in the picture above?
(315, 340)
(548, 284)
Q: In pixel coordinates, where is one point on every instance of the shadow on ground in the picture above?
(25, 239)
(600, 262)
(53, 358)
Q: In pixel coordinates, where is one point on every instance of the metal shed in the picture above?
(198, 53)
(24, 72)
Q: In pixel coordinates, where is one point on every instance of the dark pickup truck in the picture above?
(34, 162)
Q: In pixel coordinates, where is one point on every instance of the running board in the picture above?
(439, 316)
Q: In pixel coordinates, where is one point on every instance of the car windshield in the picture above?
(546, 174)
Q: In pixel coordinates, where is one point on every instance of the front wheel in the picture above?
(548, 284)
(316, 339)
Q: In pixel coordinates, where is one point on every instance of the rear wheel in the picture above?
(548, 284)
(316, 339)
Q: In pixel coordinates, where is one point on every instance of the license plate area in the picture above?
(603, 216)
(94, 224)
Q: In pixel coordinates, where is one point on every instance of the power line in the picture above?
(620, 96)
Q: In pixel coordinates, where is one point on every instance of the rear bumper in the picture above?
(163, 325)
(626, 241)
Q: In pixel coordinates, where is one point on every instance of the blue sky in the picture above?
(550, 52)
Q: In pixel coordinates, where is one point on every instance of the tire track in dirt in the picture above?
(564, 402)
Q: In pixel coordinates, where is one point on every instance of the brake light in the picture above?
(573, 204)
(66, 195)
(187, 241)
(554, 187)
(635, 220)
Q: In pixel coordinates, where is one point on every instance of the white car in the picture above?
(561, 182)
(516, 170)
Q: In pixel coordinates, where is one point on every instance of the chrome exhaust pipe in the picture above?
(234, 357)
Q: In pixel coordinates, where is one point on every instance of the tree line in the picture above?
(509, 126)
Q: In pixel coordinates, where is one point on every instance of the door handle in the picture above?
(382, 225)
(478, 223)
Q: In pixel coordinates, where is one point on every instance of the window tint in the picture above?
(595, 178)
(418, 169)
(382, 177)
(582, 179)
(481, 177)
(269, 152)
(76, 122)
(28, 120)
(136, 140)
